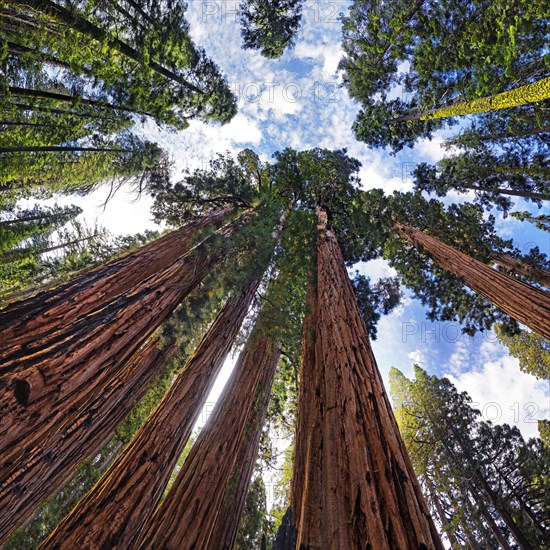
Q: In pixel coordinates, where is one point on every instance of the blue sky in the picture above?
(297, 102)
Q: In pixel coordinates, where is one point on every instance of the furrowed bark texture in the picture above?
(113, 514)
(306, 500)
(23, 322)
(187, 516)
(523, 302)
(370, 496)
(228, 518)
(516, 267)
(46, 467)
(68, 367)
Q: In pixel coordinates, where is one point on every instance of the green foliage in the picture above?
(532, 350)
(253, 523)
(452, 51)
(469, 464)
(270, 25)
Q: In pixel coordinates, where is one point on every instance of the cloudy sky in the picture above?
(298, 102)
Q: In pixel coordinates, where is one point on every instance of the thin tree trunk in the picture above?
(75, 100)
(46, 467)
(23, 323)
(370, 494)
(529, 93)
(114, 513)
(441, 513)
(495, 529)
(516, 267)
(307, 513)
(523, 302)
(226, 527)
(65, 369)
(80, 24)
(187, 516)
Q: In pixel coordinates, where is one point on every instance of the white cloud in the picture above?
(504, 394)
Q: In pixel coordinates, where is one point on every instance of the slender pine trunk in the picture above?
(370, 494)
(114, 513)
(449, 532)
(505, 191)
(525, 303)
(46, 467)
(185, 520)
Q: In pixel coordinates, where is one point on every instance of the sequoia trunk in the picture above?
(114, 512)
(523, 302)
(47, 466)
(187, 516)
(370, 497)
(23, 322)
(68, 367)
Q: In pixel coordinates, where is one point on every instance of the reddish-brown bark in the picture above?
(523, 302)
(23, 322)
(515, 267)
(44, 468)
(113, 514)
(187, 516)
(226, 527)
(65, 369)
(370, 497)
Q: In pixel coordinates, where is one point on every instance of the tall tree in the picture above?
(522, 302)
(211, 470)
(56, 374)
(452, 447)
(358, 438)
(139, 477)
(24, 322)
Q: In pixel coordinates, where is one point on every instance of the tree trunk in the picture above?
(441, 513)
(529, 93)
(114, 513)
(515, 267)
(187, 516)
(80, 24)
(495, 529)
(307, 513)
(526, 304)
(370, 495)
(504, 191)
(46, 467)
(23, 323)
(65, 369)
(226, 527)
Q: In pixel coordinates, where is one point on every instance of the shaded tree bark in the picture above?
(370, 494)
(22, 323)
(46, 467)
(187, 516)
(114, 513)
(64, 370)
(525, 303)
(226, 527)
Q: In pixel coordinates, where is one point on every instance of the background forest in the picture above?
(172, 177)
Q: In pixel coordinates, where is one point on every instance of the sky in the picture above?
(298, 101)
